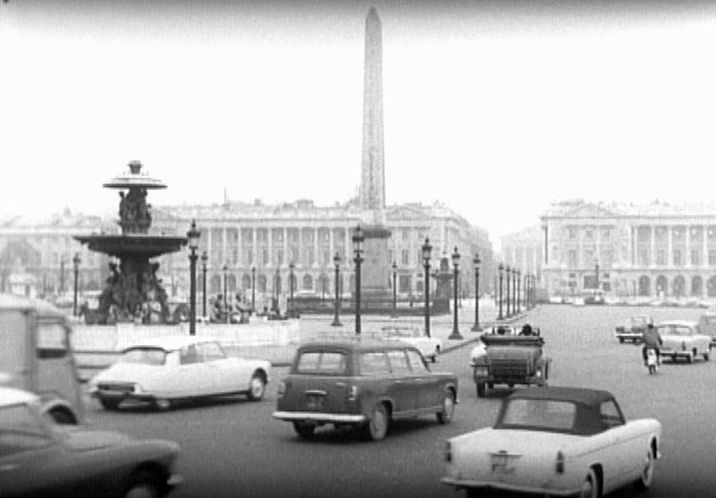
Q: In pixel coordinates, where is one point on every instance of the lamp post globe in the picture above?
(455, 257)
(476, 263)
(204, 261)
(337, 264)
(76, 265)
(426, 250)
(193, 238)
(358, 239)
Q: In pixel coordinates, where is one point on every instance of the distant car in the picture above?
(682, 339)
(555, 441)
(632, 329)
(429, 346)
(362, 383)
(167, 369)
(41, 458)
(707, 325)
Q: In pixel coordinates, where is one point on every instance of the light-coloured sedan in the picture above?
(683, 339)
(166, 369)
(560, 441)
(429, 347)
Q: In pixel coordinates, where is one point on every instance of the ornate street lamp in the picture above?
(427, 249)
(337, 263)
(253, 290)
(62, 275)
(517, 291)
(500, 269)
(276, 283)
(508, 279)
(455, 274)
(291, 285)
(476, 263)
(225, 269)
(358, 239)
(193, 235)
(395, 291)
(76, 264)
(204, 260)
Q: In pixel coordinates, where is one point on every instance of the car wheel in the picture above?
(706, 356)
(647, 472)
(481, 389)
(377, 427)
(304, 429)
(445, 415)
(145, 485)
(257, 388)
(63, 417)
(162, 404)
(109, 404)
(689, 357)
(590, 486)
(621, 340)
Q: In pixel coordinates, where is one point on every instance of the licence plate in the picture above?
(502, 463)
(315, 402)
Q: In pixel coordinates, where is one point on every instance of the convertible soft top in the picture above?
(580, 395)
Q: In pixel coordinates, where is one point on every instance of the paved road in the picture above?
(233, 447)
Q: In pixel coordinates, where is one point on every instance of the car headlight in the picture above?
(138, 389)
(482, 370)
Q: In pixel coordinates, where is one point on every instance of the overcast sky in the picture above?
(494, 108)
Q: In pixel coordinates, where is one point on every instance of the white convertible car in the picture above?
(429, 347)
(555, 441)
(166, 369)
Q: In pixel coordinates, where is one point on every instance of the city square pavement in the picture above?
(441, 327)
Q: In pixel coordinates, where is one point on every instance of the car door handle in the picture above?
(8, 467)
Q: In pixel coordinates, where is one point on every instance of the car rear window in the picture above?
(539, 414)
(674, 330)
(322, 362)
(145, 356)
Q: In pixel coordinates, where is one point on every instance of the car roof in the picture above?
(11, 396)
(355, 344)
(580, 395)
(685, 323)
(169, 342)
(22, 303)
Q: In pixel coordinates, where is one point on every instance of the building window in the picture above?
(677, 257)
(661, 257)
(403, 283)
(695, 260)
(572, 233)
(572, 258)
(606, 233)
(405, 257)
(405, 234)
(712, 257)
(264, 257)
(588, 233)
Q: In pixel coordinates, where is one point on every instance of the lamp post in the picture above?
(500, 268)
(358, 239)
(476, 263)
(508, 278)
(526, 291)
(427, 249)
(395, 291)
(276, 283)
(225, 269)
(519, 295)
(596, 273)
(337, 263)
(193, 236)
(291, 285)
(253, 290)
(455, 274)
(204, 261)
(76, 264)
(62, 275)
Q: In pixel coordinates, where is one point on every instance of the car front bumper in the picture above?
(320, 417)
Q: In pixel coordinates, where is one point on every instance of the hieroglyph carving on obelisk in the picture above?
(372, 187)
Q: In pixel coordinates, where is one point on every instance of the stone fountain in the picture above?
(132, 292)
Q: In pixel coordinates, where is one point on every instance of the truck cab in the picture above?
(36, 356)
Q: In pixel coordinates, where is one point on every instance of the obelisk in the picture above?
(376, 268)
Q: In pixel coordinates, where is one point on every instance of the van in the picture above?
(35, 355)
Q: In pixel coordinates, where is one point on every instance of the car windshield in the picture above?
(322, 363)
(539, 414)
(674, 330)
(145, 356)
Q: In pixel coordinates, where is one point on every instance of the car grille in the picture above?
(507, 368)
(121, 387)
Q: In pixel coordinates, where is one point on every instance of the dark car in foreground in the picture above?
(40, 458)
(364, 384)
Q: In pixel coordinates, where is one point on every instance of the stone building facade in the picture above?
(523, 250)
(242, 236)
(657, 250)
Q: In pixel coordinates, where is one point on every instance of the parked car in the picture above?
(682, 339)
(555, 441)
(167, 369)
(429, 346)
(41, 458)
(511, 360)
(36, 355)
(707, 325)
(363, 383)
(632, 329)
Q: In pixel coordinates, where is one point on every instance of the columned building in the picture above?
(657, 250)
(523, 250)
